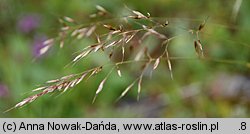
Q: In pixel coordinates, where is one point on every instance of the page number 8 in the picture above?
(243, 126)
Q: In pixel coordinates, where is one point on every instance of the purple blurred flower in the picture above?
(38, 45)
(28, 23)
(4, 91)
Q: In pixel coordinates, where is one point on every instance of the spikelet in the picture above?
(100, 87)
(126, 90)
(68, 19)
(109, 27)
(202, 25)
(118, 71)
(157, 61)
(198, 49)
(139, 88)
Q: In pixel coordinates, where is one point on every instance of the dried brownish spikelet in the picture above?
(52, 81)
(125, 91)
(67, 77)
(101, 9)
(70, 84)
(123, 52)
(113, 30)
(65, 21)
(113, 43)
(169, 65)
(157, 61)
(100, 87)
(82, 55)
(138, 15)
(202, 25)
(65, 28)
(68, 19)
(101, 12)
(118, 71)
(139, 88)
(144, 67)
(166, 23)
(39, 88)
(95, 71)
(152, 31)
(98, 38)
(198, 48)
(74, 33)
(166, 43)
(88, 50)
(109, 27)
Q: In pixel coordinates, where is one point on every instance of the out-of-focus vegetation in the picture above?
(215, 87)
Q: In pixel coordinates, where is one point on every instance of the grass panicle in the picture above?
(120, 37)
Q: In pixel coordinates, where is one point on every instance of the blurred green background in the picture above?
(210, 88)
